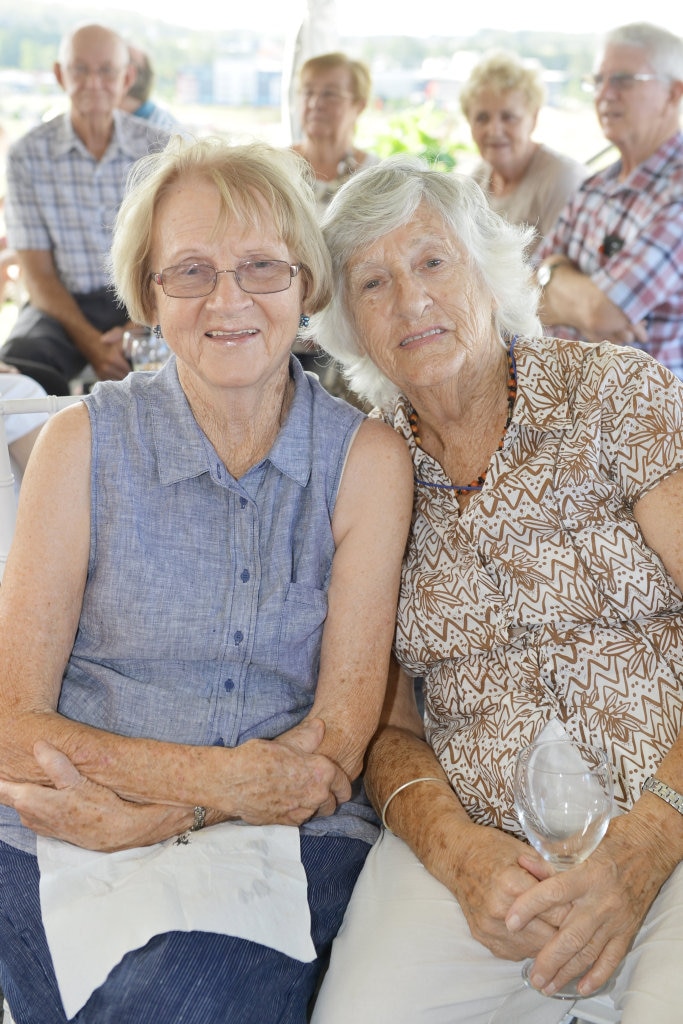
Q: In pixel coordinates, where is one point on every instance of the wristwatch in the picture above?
(660, 789)
(545, 272)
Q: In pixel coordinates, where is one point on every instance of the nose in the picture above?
(411, 297)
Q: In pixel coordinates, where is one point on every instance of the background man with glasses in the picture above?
(65, 182)
(612, 268)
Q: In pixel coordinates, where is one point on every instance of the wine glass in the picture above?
(563, 798)
(144, 349)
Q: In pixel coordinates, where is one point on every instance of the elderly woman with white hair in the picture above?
(541, 596)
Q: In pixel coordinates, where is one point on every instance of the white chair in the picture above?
(50, 404)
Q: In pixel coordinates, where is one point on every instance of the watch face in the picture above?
(543, 274)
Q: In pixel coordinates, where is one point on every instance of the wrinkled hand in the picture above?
(486, 877)
(283, 781)
(610, 894)
(109, 362)
(84, 813)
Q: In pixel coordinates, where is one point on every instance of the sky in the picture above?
(405, 17)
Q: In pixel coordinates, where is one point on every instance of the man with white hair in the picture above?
(65, 181)
(612, 268)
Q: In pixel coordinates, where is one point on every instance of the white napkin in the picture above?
(233, 879)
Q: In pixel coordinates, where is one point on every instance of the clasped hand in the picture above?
(603, 903)
(282, 781)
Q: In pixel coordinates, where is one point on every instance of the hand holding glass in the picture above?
(563, 799)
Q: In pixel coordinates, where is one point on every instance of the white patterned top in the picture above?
(541, 599)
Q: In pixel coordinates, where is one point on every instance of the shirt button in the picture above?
(244, 576)
(243, 502)
(220, 742)
(238, 637)
(229, 685)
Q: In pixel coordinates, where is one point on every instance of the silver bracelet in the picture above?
(411, 782)
(664, 792)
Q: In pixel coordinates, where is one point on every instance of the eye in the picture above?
(193, 270)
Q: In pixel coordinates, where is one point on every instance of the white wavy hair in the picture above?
(384, 197)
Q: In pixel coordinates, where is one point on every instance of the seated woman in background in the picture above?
(196, 617)
(541, 595)
(524, 180)
(333, 93)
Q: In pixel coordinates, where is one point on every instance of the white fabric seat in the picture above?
(49, 404)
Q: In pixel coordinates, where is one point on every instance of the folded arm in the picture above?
(572, 299)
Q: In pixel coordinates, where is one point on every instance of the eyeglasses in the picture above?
(620, 82)
(328, 96)
(256, 277)
(106, 73)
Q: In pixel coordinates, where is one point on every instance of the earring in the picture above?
(156, 331)
(304, 320)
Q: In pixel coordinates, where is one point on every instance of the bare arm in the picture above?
(48, 294)
(478, 864)
(613, 890)
(571, 299)
(370, 527)
(40, 601)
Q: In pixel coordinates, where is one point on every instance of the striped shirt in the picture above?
(645, 277)
(60, 198)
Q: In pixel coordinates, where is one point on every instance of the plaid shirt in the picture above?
(61, 199)
(645, 278)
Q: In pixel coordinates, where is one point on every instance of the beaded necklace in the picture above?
(475, 485)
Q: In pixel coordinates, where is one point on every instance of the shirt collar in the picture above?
(542, 395)
(183, 450)
(654, 166)
(66, 139)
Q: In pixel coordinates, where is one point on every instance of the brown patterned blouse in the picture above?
(541, 599)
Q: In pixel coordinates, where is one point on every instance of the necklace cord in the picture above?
(478, 483)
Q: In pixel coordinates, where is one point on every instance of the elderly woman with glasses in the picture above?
(333, 92)
(196, 617)
(541, 597)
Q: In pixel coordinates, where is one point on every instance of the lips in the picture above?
(422, 335)
(231, 335)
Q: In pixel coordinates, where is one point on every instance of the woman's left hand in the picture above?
(83, 813)
(610, 894)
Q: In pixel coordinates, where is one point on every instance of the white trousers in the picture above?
(405, 955)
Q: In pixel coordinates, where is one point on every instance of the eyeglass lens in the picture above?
(617, 81)
(107, 72)
(192, 280)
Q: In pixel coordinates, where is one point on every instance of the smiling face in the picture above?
(501, 125)
(420, 308)
(229, 338)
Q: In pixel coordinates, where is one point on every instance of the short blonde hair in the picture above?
(248, 178)
(359, 73)
(502, 71)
